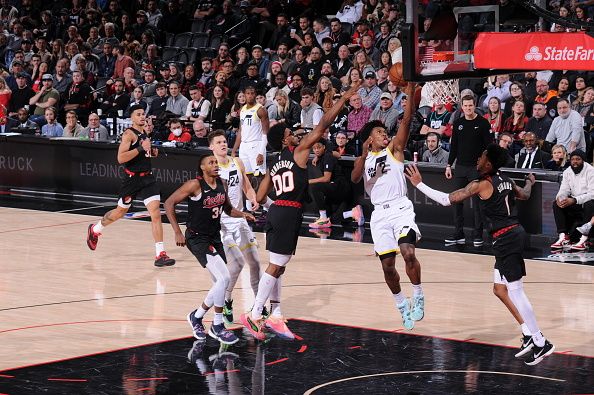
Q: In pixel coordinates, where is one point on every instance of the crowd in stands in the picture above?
(69, 65)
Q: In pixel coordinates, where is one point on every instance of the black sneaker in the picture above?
(164, 260)
(478, 241)
(265, 313)
(228, 312)
(197, 327)
(526, 346)
(222, 334)
(195, 352)
(456, 238)
(540, 353)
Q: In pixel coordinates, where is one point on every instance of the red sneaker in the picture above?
(164, 260)
(561, 242)
(253, 326)
(92, 238)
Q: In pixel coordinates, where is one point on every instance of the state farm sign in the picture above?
(534, 51)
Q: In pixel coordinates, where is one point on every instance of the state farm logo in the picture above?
(534, 54)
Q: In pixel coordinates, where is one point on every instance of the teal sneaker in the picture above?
(407, 320)
(418, 308)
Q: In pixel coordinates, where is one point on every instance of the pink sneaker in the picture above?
(253, 326)
(321, 223)
(278, 325)
(358, 215)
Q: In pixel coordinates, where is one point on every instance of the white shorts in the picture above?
(235, 232)
(391, 222)
(498, 278)
(248, 153)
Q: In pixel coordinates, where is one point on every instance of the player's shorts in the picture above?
(282, 229)
(248, 153)
(508, 249)
(391, 225)
(236, 232)
(203, 245)
(144, 187)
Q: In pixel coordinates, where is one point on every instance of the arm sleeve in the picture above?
(440, 197)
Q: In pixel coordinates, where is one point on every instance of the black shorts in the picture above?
(508, 249)
(282, 229)
(203, 245)
(143, 187)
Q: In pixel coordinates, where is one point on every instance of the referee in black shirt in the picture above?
(470, 137)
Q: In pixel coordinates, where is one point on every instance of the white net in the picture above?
(444, 91)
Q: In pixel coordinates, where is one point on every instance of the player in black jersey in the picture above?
(287, 174)
(135, 154)
(207, 200)
(497, 195)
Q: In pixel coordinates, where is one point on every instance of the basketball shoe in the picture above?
(228, 312)
(197, 327)
(407, 320)
(540, 353)
(585, 228)
(92, 238)
(581, 245)
(526, 346)
(561, 242)
(164, 260)
(321, 223)
(358, 215)
(255, 327)
(456, 238)
(222, 334)
(196, 351)
(418, 308)
(278, 325)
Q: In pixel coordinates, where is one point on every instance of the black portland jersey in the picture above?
(141, 163)
(290, 181)
(204, 210)
(500, 209)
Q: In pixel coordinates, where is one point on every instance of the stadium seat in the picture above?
(198, 26)
(183, 40)
(200, 40)
(170, 54)
(215, 41)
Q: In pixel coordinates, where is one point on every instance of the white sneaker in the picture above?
(585, 228)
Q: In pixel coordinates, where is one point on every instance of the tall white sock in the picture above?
(417, 290)
(159, 247)
(218, 319)
(98, 227)
(347, 214)
(520, 300)
(525, 330)
(399, 298)
(200, 312)
(323, 214)
(265, 287)
(275, 296)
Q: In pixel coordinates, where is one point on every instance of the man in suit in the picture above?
(531, 156)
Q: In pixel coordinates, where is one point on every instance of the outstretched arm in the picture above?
(301, 153)
(524, 193)
(189, 188)
(398, 143)
(264, 189)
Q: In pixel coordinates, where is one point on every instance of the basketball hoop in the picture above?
(444, 91)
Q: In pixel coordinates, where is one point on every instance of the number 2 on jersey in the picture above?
(283, 182)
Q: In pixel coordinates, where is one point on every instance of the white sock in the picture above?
(275, 295)
(348, 235)
(159, 247)
(218, 319)
(200, 312)
(347, 214)
(539, 339)
(417, 290)
(275, 308)
(583, 238)
(525, 330)
(265, 286)
(399, 298)
(268, 203)
(323, 214)
(98, 227)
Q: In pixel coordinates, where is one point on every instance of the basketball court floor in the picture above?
(74, 321)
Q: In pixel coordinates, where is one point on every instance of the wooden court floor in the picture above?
(59, 300)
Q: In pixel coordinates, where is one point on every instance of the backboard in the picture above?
(438, 38)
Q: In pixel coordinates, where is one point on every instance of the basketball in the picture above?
(396, 76)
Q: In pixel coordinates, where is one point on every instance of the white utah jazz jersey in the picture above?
(251, 124)
(384, 177)
(231, 172)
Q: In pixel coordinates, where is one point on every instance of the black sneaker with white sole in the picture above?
(456, 238)
(526, 346)
(478, 241)
(539, 353)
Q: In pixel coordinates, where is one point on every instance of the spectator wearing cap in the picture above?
(328, 53)
(47, 96)
(386, 113)
(338, 36)
(122, 62)
(17, 68)
(142, 25)
(370, 93)
(342, 64)
(575, 199)
(311, 112)
(21, 95)
(382, 78)
(567, 129)
(258, 59)
(359, 114)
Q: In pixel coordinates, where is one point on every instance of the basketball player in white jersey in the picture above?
(239, 241)
(392, 223)
(252, 134)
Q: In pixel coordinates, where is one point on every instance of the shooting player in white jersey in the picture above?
(393, 226)
(239, 241)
